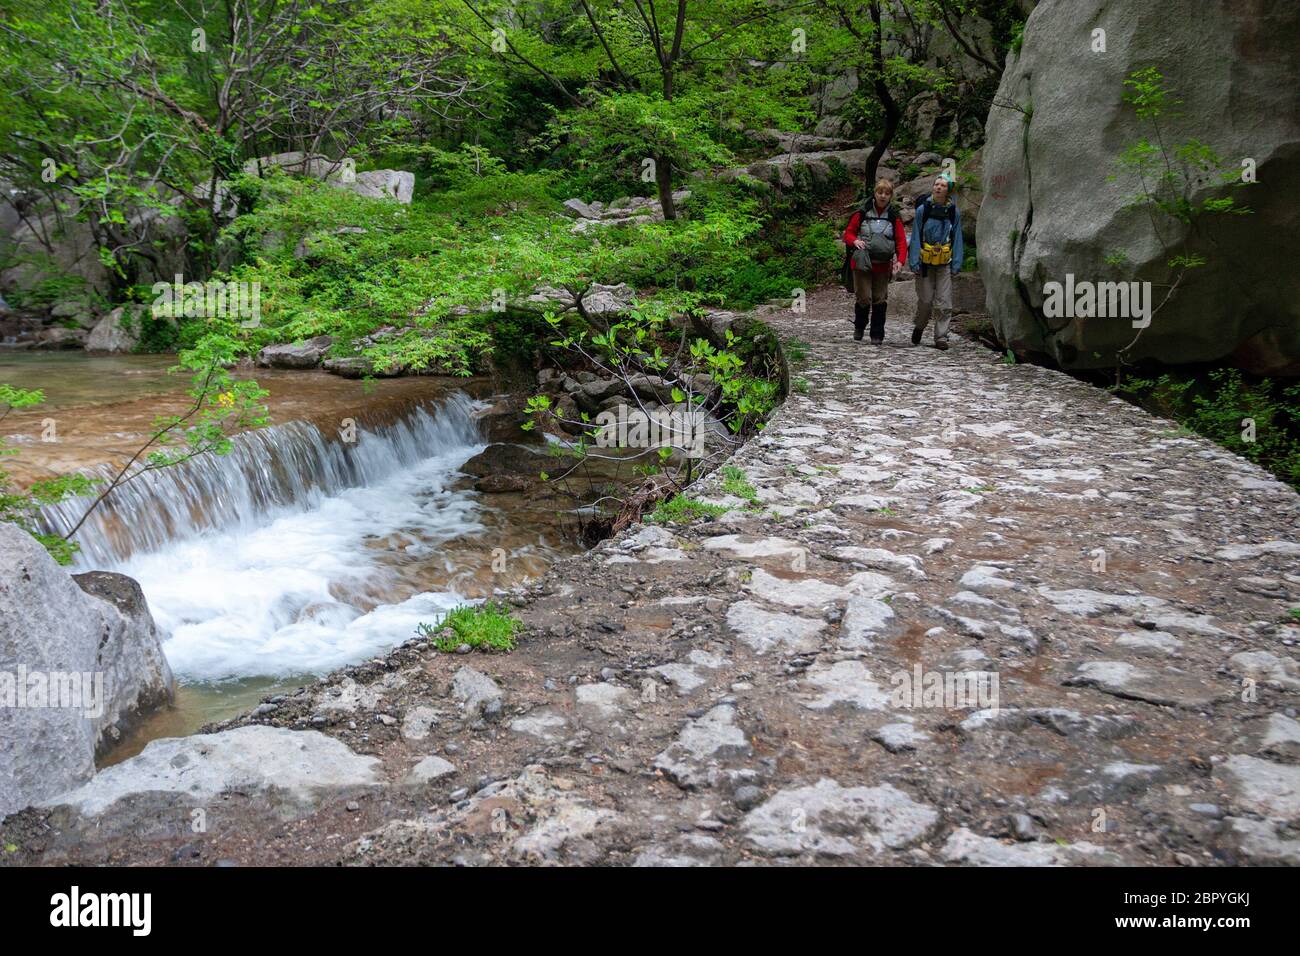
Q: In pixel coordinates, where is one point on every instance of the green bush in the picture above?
(1258, 418)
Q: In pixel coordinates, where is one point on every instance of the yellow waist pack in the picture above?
(936, 253)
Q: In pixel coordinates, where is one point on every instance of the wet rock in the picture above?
(844, 683)
(964, 846)
(86, 657)
(430, 768)
(302, 355)
(1167, 687)
(475, 691)
(1261, 786)
(296, 767)
(694, 759)
(829, 820)
(764, 630)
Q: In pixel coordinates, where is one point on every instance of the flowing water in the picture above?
(298, 552)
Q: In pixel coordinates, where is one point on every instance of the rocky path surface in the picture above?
(978, 614)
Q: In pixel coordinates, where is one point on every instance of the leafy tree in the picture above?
(656, 86)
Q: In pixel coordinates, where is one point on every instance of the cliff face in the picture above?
(1058, 204)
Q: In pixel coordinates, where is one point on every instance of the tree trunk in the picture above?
(892, 113)
(664, 180)
(892, 117)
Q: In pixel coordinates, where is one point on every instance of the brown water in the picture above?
(102, 408)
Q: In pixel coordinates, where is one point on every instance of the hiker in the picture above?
(878, 241)
(935, 258)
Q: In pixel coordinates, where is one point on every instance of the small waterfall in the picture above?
(290, 466)
(297, 552)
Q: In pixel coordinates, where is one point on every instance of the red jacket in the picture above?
(900, 240)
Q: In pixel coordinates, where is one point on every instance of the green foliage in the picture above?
(736, 483)
(1173, 177)
(219, 407)
(681, 510)
(488, 627)
(1178, 184)
(22, 507)
(1258, 418)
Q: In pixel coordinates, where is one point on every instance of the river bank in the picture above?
(726, 689)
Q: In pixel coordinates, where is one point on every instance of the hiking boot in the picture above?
(916, 336)
(941, 344)
(860, 315)
(877, 341)
(878, 310)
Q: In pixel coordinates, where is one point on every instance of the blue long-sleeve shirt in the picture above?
(934, 231)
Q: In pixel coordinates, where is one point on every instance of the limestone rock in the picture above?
(119, 331)
(1051, 211)
(300, 765)
(306, 354)
(88, 643)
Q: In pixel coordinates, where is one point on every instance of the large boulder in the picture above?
(119, 331)
(781, 170)
(298, 355)
(382, 184)
(599, 301)
(80, 662)
(1053, 210)
(376, 183)
(296, 163)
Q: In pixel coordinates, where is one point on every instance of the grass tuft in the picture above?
(486, 626)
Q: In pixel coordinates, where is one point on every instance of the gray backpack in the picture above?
(878, 231)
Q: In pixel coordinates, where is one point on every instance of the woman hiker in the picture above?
(878, 239)
(935, 258)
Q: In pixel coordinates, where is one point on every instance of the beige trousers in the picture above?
(934, 294)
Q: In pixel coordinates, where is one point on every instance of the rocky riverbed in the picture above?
(730, 691)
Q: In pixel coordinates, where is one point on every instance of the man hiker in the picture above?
(878, 241)
(936, 255)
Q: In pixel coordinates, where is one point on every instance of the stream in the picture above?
(298, 552)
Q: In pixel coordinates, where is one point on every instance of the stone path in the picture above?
(982, 614)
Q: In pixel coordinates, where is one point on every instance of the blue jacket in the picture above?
(934, 231)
